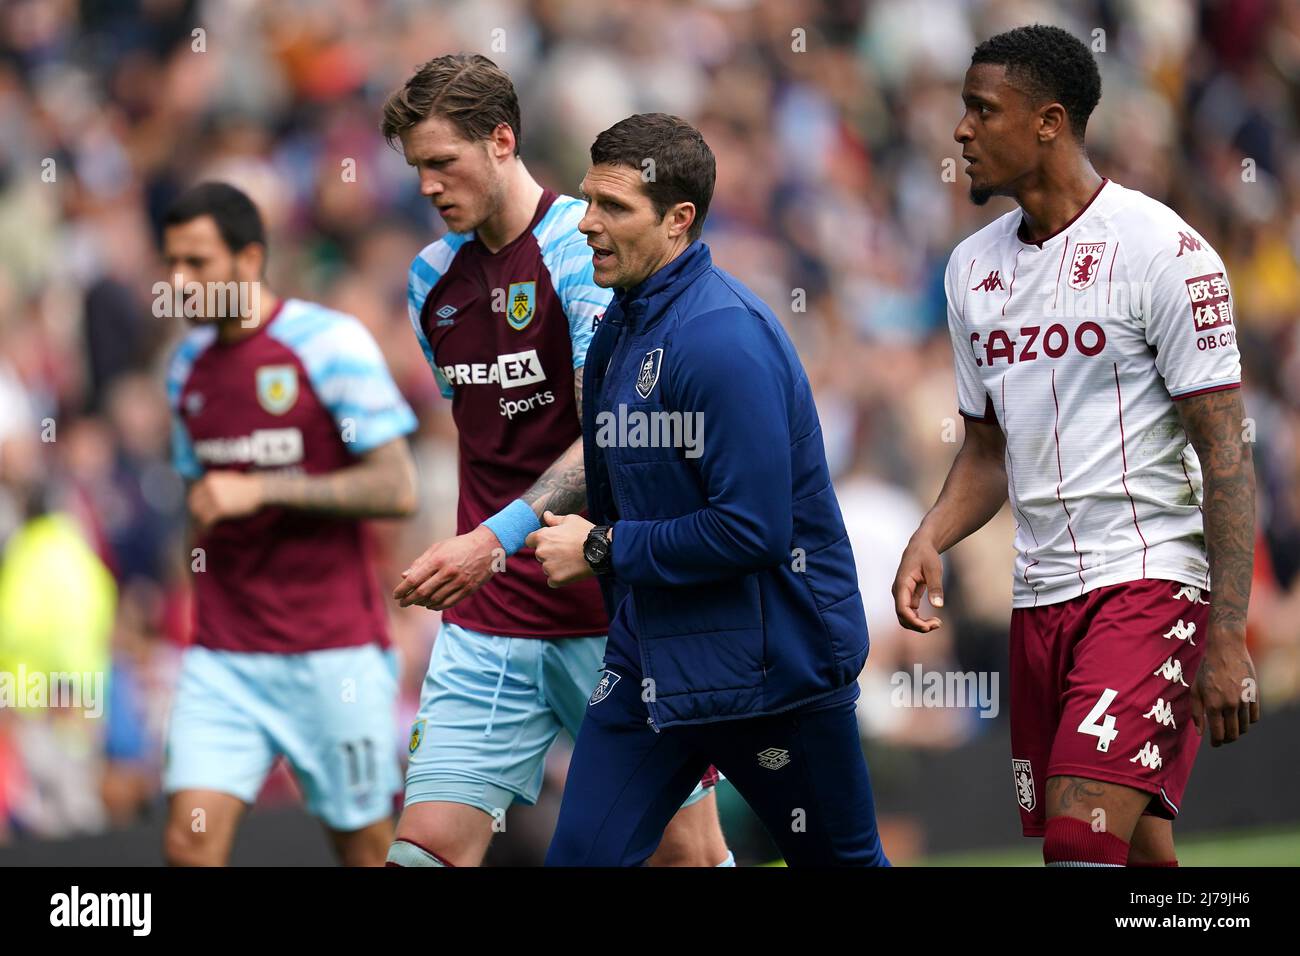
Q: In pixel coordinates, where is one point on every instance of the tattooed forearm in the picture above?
(381, 485)
(562, 488)
(1214, 425)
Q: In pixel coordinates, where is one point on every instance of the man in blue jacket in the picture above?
(737, 631)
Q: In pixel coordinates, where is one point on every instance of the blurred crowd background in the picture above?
(839, 197)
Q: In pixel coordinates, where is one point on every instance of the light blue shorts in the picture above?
(489, 711)
(331, 713)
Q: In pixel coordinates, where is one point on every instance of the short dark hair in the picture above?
(682, 163)
(471, 91)
(236, 216)
(1048, 65)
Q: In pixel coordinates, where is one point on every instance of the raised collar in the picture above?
(644, 303)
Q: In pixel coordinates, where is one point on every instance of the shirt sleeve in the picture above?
(184, 459)
(972, 399)
(730, 370)
(420, 280)
(1189, 322)
(350, 377)
(567, 258)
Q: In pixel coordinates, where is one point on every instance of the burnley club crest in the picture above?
(607, 682)
(277, 388)
(521, 304)
(649, 374)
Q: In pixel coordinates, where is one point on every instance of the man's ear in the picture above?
(251, 261)
(1052, 122)
(680, 219)
(503, 144)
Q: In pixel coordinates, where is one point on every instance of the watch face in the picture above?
(595, 548)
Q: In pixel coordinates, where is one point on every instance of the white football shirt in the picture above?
(1078, 346)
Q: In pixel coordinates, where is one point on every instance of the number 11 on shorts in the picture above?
(1103, 729)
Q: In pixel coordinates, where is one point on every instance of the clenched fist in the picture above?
(222, 495)
(559, 548)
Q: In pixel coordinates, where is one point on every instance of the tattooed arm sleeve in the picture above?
(562, 488)
(1215, 423)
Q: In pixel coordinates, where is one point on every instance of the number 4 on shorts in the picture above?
(1103, 729)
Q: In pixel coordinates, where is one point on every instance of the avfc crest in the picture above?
(607, 682)
(649, 374)
(417, 735)
(1024, 776)
(277, 388)
(521, 304)
(1086, 264)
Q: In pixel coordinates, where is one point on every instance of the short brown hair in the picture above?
(471, 91)
(683, 164)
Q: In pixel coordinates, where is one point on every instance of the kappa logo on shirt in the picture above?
(990, 283)
(1187, 243)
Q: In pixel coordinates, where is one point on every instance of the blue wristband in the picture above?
(512, 524)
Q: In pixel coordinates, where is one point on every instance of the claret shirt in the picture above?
(308, 392)
(504, 333)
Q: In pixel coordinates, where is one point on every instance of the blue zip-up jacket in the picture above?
(734, 554)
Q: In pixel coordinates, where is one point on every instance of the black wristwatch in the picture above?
(598, 550)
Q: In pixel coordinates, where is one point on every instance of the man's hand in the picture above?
(1225, 693)
(450, 571)
(919, 570)
(559, 548)
(222, 495)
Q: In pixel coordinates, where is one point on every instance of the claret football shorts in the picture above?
(1101, 688)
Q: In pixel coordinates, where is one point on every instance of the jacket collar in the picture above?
(645, 304)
